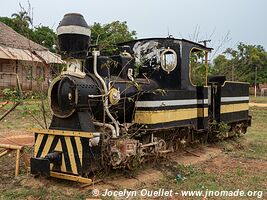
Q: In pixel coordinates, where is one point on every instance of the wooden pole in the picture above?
(10, 146)
(206, 59)
(19, 86)
(17, 163)
(255, 82)
(8, 111)
(207, 67)
(14, 147)
(3, 104)
(3, 153)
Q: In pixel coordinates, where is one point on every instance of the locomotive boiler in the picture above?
(120, 110)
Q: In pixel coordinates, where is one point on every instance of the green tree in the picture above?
(23, 17)
(239, 64)
(21, 22)
(9, 22)
(45, 36)
(15, 25)
(107, 35)
(222, 66)
(42, 35)
(197, 67)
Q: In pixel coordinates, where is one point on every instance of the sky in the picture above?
(225, 23)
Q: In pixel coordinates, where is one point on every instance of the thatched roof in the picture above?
(17, 47)
(10, 38)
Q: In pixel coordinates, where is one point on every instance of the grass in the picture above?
(21, 193)
(242, 166)
(26, 115)
(206, 176)
(258, 99)
(256, 136)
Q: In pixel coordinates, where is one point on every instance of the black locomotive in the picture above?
(140, 102)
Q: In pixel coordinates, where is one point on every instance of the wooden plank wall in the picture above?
(6, 79)
(32, 75)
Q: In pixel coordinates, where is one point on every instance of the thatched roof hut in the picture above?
(23, 59)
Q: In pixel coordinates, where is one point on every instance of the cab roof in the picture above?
(198, 45)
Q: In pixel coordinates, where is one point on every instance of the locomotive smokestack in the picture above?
(73, 36)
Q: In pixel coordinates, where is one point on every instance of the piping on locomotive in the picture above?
(120, 110)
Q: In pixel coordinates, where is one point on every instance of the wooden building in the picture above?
(24, 60)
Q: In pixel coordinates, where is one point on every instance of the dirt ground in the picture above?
(210, 160)
(229, 165)
(154, 172)
(18, 139)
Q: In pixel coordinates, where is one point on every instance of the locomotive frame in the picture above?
(107, 114)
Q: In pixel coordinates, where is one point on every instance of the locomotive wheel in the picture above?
(115, 159)
(177, 144)
(161, 146)
(133, 163)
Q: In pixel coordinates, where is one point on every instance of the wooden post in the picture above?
(17, 148)
(3, 153)
(207, 67)
(8, 111)
(4, 104)
(17, 163)
(255, 82)
(10, 146)
(206, 59)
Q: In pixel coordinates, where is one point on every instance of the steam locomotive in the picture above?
(119, 110)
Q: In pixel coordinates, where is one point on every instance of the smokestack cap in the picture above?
(73, 36)
(73, 23)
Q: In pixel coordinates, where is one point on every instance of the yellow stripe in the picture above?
(47, 146)
(63, 133)
(162, 116)
(202, 112)
(79, 148)
(71, 177)
(234, 107)
(38, 143)
(58, 146)
(71, 155)
(63, 166)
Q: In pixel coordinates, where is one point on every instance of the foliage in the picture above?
(107, 35)
(45, 36)
(198, 69)
(240, 64)
(21, 21)
(23, 17)
(9, 22)
(11, 95)
(223, 131)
